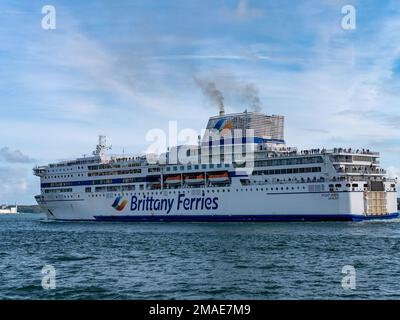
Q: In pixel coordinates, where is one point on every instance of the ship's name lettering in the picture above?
(183, 202)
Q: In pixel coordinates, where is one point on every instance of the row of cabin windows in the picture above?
(131, 188)
(141, 187)
(288, 162)
(63, 176)
(110, 166)
(197, 166)
(58, 190)
(348, 185)
(92, 182)
(362, 158)
(64, 169)
(110, 173)
(67, 196)
(287, 171)
(115, 188)
(209, 191)
(206, 191)
(292, 188)
(101, 166)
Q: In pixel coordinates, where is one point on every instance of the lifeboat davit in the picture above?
(173, 179)
(195, 179)
(218, 177)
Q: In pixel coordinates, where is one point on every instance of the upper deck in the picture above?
(268, 151)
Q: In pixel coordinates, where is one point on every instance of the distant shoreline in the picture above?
(29, 209)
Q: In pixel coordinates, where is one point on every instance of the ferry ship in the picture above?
(219, 181)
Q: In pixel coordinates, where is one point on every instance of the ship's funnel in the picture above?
(221, 112)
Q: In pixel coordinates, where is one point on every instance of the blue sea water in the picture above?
(198, 260)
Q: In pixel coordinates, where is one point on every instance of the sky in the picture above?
(122, 68)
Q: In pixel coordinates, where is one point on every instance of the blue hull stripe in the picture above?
(242, 218)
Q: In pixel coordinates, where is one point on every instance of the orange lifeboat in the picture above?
(218, 177)
(155, 186)
(173, 179)
(195, 179)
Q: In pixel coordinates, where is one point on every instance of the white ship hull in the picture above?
(219, 205)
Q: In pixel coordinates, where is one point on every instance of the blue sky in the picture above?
(121, 68)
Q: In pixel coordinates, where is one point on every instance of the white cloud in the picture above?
(242, 12)
(14, 156)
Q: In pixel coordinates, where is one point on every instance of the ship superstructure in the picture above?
(240, 170)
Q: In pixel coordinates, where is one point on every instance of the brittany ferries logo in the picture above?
(119, 203)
